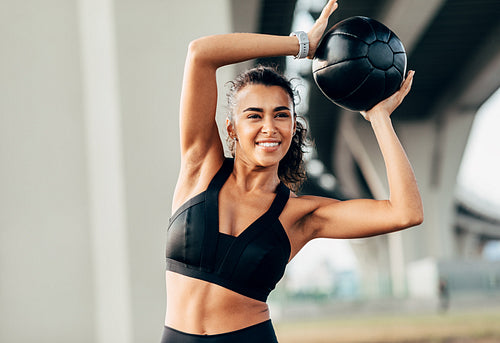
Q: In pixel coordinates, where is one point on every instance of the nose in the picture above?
(268, 125)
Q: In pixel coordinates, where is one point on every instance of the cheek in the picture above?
(245, 133)
(246, 126)
(288, 128)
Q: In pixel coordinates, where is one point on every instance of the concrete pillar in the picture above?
(451, 139)
(107, 216)
(46, 270)
(90, 155)
(152, 39)
(469, 245)
(390, 255)
(435, 150)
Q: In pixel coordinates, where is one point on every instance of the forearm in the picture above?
(219, 50)
(404, 194)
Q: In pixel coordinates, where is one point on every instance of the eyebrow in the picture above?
(261, 110)
(281, 108)
(253, 109)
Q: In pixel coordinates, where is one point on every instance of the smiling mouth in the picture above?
(268, 144)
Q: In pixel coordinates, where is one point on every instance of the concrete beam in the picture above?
(409, 18)
(477, 226)
(476, 81)
(481, 77)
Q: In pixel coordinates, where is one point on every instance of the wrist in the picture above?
(378, 117)
(303, 44)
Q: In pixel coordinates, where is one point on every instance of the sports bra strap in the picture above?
(221, 176)
(212, 213)
(259, 253)
(212, 219)
(282, 195)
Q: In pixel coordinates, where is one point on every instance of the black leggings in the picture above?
(261, 333)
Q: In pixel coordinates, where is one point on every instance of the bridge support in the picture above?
(435, 149)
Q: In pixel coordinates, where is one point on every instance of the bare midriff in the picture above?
(202, 308)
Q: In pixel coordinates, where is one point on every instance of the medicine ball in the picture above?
(358, 63)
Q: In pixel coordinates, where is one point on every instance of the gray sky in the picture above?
(480, 169)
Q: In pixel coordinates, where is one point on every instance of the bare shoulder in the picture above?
(299, 218)
(303, 205)
(301, 209)
(312, 199)
(194, 177)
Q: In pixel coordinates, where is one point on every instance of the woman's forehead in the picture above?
(261, 95)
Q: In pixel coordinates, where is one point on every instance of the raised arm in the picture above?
(198, 130)
(364, 217)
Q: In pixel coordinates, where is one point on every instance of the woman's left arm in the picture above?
(364, 217)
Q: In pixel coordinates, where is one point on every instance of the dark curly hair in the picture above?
(291, 170)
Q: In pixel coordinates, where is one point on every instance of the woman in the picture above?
(236, 224)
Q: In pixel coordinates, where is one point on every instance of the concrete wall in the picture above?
(89, 159)
(46, 273)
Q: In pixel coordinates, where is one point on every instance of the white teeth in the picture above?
(268, 145)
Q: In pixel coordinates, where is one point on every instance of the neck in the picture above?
(250, 177)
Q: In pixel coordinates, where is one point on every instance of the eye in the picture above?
(282, 115)
(253, 116)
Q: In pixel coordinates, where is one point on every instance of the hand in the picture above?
(391, 103)
(319, 27)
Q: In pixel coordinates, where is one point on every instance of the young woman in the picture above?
(235, 223)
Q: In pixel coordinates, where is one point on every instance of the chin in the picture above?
(268, 161)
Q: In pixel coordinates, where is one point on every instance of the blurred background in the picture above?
(89, 155)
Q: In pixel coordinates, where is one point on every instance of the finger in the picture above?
(407, 83)
(327, 11)
(404, 89)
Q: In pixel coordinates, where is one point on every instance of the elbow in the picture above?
(417, 219)
(418, 215)
(407, 214)
(412, 218)
(195, 49)
(199, 51)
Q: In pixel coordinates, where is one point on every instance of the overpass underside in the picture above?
(453, 46)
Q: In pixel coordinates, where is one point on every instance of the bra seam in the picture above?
(187, 204)
(195, 200)
(216, 279)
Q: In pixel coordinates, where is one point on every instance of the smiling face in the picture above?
(263, 124)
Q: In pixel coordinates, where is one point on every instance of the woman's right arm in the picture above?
(200, 141)
(202, 152)
(199, 134)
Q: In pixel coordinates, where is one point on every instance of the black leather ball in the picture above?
(358, 63)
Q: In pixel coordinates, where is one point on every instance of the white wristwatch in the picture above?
(303, 42)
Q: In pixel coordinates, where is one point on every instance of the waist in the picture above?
(199, 307)
(261, 332)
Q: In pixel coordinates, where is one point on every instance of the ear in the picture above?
(294, 125)
(230, 129)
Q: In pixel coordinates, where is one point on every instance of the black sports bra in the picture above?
(250, 264)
